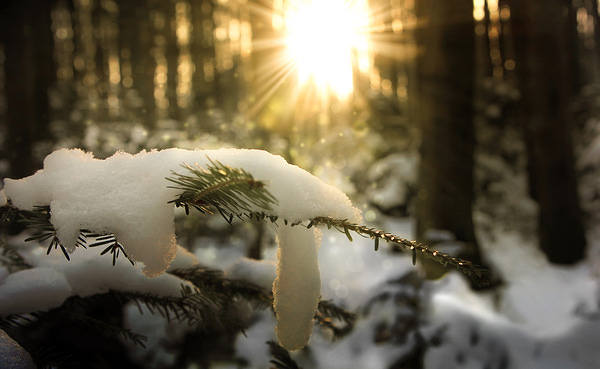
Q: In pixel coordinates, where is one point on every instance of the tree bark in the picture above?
(445, 74)
(136, 35)
(29, 71)
(545, 76)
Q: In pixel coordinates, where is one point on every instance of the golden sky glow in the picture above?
(325, 39)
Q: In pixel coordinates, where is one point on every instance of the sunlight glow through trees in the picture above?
(326, 40)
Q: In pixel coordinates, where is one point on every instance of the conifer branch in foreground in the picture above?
(233, 192)
(281, 358)
(220, 187)
(218, 287)
(233, 201)
(416, 248)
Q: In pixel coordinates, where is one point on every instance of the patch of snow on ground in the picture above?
(53, 279)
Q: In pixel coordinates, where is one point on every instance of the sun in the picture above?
(326, 40)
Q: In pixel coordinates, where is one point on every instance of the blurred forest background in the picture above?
(472, 117)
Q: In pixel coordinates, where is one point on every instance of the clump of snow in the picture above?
(260, 272)
(127, 195)
(297, 288)
(42, 288)
(52, 280)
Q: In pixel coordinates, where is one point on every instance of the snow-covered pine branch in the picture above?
(127, 204)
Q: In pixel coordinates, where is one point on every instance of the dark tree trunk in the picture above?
(574, 48)
(136, 36)
(204, 82)
(101, 60)
(445, 73)
(545, 76)
(29, 71)
(172, 55)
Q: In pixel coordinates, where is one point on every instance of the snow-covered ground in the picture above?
(543, 316)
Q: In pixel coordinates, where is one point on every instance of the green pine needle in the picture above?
(281, 358)
(230, 191)
(473, 271)
(11, 259)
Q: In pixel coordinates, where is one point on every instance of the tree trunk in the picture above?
(136, 36)
(545, 76)
(171, 54)
(445, 73)
(29, 71)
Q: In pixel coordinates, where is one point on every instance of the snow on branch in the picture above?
(38, 222)
(218, 186)
(125, 203)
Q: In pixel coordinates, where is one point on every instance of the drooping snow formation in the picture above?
(297, 288)
(127, 195)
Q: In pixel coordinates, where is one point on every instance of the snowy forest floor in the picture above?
(543, 316)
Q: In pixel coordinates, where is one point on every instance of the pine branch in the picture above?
(222, 188)
(8, 214)
(10, 258)
(330, 316)
(18, 320)
(328, 309)
(471, 270)
(110, 330)
(215, 284)
(281, 357)
(38, 222)
(464, 266)
(191, 307)
(114, 246)
(234, 192)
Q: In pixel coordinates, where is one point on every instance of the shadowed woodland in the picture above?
(472, 118)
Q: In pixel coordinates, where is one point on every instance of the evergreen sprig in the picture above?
(114, 246)
(11, 259)
(200, 186)
(222, 188)
(192, 306)
(235, 192)
(38, 223)
(416, 248)
(224, 289)
(110, 329)
(18, 320)
(219, 288)
(330, 316)
(281, 358)
(468, 268)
